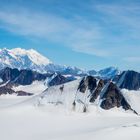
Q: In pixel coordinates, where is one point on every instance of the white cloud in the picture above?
(114, 30)
(125, 17)
(75, 33)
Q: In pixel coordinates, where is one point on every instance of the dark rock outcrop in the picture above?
(9, 74)
(23, 93)
(8, 90)
(97, 91)
(109, 93)
(88, 82)
(58, 80)
(114, 98)
(21, 77)
(26, 77)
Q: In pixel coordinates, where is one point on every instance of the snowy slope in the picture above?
(133, 98)
(66, 97)
(30, 123)
(49, 122)
(76, 96)
(36, 87)
(35, 118)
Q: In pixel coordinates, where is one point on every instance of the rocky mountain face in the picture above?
(88, 90)
(20, 77)
(27, 77)
(87, 83)
(113, 97)
(57, 79)
(14, 77)
(24, 67)
(110, 97)
(128, 80)
(94, 95)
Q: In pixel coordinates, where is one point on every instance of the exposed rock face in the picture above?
(22, 77)
(9, 74)
(88, 82)
(88, 90)
(22, 93)
(129, 80)
(26, 77)
(113, 98)
(91, 83)
(58, 79)
(97, 91)
(7, 90)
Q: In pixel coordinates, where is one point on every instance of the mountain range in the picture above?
(65, 84)
(33, 60)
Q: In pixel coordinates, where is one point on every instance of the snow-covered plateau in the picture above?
(34, 118)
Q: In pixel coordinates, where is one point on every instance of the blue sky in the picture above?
(91, 34)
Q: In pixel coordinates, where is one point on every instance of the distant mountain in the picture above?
(73, 71)
(33, 60)
(92, 72)
(23, 59)
(107, 73)
(21, 77)
(128, 80)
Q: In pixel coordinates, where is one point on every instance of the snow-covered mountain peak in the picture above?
(34, 56)
(109, 72)
(31, 59)
(23, 59)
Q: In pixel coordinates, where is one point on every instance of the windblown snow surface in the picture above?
(31, 118)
